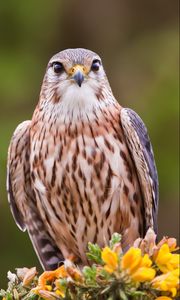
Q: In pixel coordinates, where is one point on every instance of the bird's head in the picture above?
(75, 76)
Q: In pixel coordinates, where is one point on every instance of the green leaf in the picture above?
(90, 275)
(94, 253)
(32, 297)
(105, 275)
(110, 298)
(9, 296)
(122, 295)
(116, 238)
(63, 282)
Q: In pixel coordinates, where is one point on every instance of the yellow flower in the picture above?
(131, 259)
(171, 242)
(48, 287)
(110, 258)
(137, 266)
(163, 298)
(143, 274)
(167, 282)
(60, 293)
(165, 260)
(60, 288)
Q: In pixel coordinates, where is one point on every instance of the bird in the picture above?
(83, 167)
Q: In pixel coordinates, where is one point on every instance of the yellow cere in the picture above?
(77, 68)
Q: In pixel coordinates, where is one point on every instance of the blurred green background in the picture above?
(138, 42)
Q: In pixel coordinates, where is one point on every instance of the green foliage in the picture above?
(116, 238)
(110, 277)
(94, 253)
(90, 275)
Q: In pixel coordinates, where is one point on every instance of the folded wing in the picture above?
(142, 154)
(22, 198)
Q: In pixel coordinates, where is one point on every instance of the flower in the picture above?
(47, 295)
(135, 270)
(72, 271)
(148, 244)
(44, 289)
(29, 276)
(165, 260)
(51, 275)
(61, 286)
(171, 242)
(137, 266)
(163, 298)
(60, 293)
(131, 259)
(117, 248)
(143, 274)
(12, 277)
(167, 282)
(110, 258)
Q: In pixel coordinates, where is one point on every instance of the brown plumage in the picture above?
(83, 167)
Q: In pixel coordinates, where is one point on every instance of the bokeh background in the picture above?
(138, 42)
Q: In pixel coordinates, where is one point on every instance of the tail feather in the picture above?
(48, 253)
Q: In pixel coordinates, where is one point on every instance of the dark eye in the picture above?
(57, 67)
(95, 65)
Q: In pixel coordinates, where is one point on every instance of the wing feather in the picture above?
(142, 154)
(16, 169)
(22, 198)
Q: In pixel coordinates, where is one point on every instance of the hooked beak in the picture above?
(78, 72)
(79, 78)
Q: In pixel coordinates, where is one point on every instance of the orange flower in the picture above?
(51, 275)
(43, 289)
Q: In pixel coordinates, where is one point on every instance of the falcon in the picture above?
(83, 167)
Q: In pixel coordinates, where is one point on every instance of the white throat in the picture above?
(78, 102)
